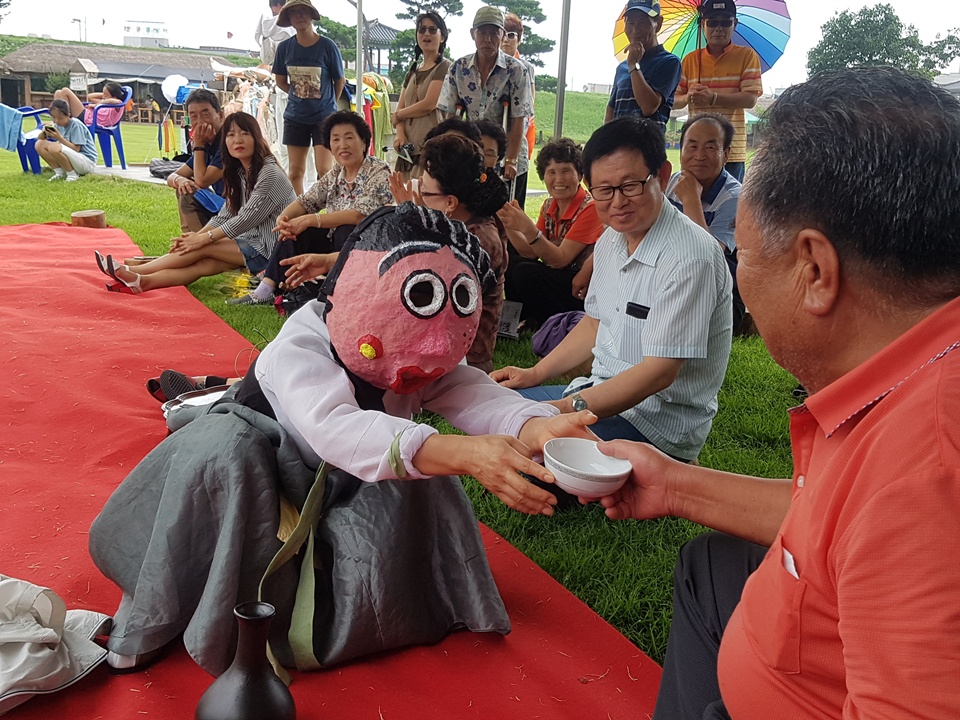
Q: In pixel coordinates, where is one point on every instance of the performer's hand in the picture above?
(537, 431)
(646, 494)
(496, 461)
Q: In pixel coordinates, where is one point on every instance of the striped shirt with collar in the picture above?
(253, 225)
(669, 299)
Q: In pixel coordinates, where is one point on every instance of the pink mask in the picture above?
(402, 321)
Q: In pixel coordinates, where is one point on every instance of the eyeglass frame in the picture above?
(642, 184)
(720, 22)
(511, 35)
(427, 193)
(424, 29)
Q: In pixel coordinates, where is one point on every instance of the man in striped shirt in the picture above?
(658, 311)
(722, 77)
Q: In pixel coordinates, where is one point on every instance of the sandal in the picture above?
(102, 264)
(132, 287)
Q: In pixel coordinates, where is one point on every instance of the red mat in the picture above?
(75, 419)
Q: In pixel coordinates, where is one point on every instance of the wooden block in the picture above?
(89, 218)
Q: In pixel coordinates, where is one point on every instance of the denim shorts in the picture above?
(255, 262)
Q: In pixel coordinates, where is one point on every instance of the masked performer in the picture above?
(191, 531)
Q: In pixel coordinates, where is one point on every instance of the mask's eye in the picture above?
(424, 293)
(465, 295)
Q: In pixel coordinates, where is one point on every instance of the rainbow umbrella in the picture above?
(764, 25)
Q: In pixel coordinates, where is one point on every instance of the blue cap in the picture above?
(650, 7)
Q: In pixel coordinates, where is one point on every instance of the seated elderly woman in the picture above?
(192, 530)
(356, 186)
(553, 250)
(256, 190)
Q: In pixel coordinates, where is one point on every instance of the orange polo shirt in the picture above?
(855, 610)
(736, 70)
(586, 228)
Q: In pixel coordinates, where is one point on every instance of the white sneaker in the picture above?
(57, 177)
(71, 176)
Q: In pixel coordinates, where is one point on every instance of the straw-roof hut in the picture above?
(91, 65)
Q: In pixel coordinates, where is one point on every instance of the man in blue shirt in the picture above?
(645, 83)
(198, 181)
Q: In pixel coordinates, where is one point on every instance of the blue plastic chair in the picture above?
(27, 149)
(103, 133)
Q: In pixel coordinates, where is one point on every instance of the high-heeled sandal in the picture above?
(103, 265)
(124, 286)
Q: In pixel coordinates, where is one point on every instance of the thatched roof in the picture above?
(41, 58)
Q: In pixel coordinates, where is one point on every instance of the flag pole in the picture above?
(562, 70)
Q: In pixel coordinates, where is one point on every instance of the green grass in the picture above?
(622, 570)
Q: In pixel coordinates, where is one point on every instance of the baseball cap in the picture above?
(721, 8)
(488, 15)
(650, 7)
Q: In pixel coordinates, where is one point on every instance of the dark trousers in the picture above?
(311, 240)
(707, 583)
(543, 290)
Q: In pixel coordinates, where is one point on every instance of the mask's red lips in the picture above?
(411, 378)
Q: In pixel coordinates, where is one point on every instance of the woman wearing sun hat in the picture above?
(308, 66)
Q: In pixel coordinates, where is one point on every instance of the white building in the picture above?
(145, 33)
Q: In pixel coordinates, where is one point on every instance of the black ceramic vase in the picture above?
(249, 689)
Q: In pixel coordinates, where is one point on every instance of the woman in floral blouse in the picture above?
(313, 228)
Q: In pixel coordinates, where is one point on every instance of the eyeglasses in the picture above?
(634, 188)
(425, 193)
(424, 29)
(728, 22)
(512, 35)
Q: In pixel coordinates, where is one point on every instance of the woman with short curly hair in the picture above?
(552, 250)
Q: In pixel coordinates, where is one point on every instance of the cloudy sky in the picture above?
(591, 60)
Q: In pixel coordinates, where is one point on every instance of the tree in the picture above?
(401, 55)
(345, 36)
(546, 83)
(533, 45)
(3, 4)
(443, 8)
(875, 36)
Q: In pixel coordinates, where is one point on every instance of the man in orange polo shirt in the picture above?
(722, 77)
(834, 594)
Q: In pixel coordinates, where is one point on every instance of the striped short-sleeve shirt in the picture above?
(669, 299)
(736, 70)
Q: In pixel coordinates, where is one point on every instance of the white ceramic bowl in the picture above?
(582, 470)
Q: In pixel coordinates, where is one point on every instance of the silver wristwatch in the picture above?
(578, 402)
